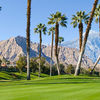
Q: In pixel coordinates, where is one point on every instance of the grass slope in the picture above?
(63, 87)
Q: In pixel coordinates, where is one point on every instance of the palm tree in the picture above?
(61, 39)
(97, 16)
(85, 38)
(95, 65)
(40, 28)
(97, 19)
(77, 20)
(0, 8)
(28, 38)
(57, 19)
(51, 31)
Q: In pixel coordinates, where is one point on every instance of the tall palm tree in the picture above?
(85, 38)
(57, 19)
(77, 20)
(97, 19)
(40, 28)
(97, 16)
(51, 31)
(28, 38)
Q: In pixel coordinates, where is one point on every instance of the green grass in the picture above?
(64, 87)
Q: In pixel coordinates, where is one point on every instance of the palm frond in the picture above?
(74, 23)
(51, 22)
(52, 29)
(96, 19)
(63, 24)
(61, 39)
(36, 30)
(97, 13)
(79, 18)
(44, 29)
(58, 17)
(49, 33)
(40, 28)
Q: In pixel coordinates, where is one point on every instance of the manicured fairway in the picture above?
(54, 88)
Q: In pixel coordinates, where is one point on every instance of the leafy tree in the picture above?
(54, 70)
(62, 67)
(77, 70)
(57, 19)
(44, 66)
(97, 16)
(51, 31)
(77, 20)
(4, 60)
(8, 62)
(28, 37)
(34, 64)
(84, 71)
(70, 69)
(0, 62)
(41, 28)
(21, 63)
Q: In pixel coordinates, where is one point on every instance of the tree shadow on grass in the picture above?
(1, 78)
(41, 83)
(45, 83)
(79, 78)
(55, 83)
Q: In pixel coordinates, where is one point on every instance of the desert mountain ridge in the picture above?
(12, 48)
(92, 46)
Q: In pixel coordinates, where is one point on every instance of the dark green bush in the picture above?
(70, 69)
(62, 69)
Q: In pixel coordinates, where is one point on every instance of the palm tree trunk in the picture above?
(40, 54)
(99, 25)
(85, 39)
(51, 54)
(80, 35)
(95, 65)
(57, 60)
(28, 38)
(59, 47)
(80, 39)
(56, 46)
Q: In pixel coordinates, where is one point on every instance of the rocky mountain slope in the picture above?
(92, 46)
(15, 46)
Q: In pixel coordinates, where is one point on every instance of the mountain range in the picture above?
(92, 46)
(12, 48)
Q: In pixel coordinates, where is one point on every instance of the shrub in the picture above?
(54, 70)
(33, 65)
(21, 63)
(70, 69)
(62, 67)
(0, 62)
(84, 71)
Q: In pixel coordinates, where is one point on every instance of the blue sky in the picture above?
(13, 17)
